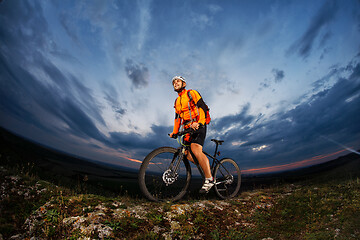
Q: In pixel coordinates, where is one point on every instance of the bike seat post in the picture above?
(217, 142)
(216, 148)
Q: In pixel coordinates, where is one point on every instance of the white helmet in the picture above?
(178, 77)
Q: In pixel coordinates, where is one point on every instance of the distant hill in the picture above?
(59, 166)
(343, 167)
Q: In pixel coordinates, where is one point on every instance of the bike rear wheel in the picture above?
(160, 179)
(228, 178)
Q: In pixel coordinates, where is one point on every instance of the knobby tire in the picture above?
(151, 172)
(223, 172)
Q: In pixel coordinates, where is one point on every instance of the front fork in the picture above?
(171, 174)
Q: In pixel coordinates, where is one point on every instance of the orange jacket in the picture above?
(182, 113)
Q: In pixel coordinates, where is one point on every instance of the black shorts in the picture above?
(198, 136)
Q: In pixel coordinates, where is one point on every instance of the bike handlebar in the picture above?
(186, 131)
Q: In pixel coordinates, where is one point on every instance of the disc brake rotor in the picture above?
(169, 177)
(229, 179)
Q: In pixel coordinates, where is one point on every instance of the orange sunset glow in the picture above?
(295, 165)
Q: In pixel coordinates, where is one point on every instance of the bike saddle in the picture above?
(217, 141)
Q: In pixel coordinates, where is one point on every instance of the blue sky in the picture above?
(93, 78)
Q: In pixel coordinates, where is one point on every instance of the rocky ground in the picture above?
(94, 217)
(35, 209)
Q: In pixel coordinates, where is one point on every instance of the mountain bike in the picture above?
(165, 173)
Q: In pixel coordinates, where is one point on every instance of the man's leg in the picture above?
(205, 165)
(202, 158)
(196, 148)
(189, 157)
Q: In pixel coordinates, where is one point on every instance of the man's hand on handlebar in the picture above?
(195, 125)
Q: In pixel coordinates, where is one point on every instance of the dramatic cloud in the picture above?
(22, 24)
(76, 76)
(137, 73)
(304, 45)
(111, 96)
(49, 100)
(133, 141)
(145, 18)
(37, 86)
(241, 118)
(332, 113)
(68, 26)
(278, 75)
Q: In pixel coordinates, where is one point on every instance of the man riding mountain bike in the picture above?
(190, 112)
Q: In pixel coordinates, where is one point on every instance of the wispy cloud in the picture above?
(297, 131)
(144, 21)
(242, 118)
(111, 96)
(278, 75)
(304, 45)
(69, 27)
(137, 73)
(205, 19)
(37, 90)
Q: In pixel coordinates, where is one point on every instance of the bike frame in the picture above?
(184, 148)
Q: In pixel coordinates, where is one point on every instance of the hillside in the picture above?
(48, 205)
(64, 169)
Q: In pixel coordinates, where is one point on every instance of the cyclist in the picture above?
(192, 115)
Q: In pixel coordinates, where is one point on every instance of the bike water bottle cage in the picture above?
(180, 140)
(180, 136)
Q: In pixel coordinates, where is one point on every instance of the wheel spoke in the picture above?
(158, 181)
(228, 178)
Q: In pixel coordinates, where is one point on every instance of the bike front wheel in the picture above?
(164, 175)
(227, 178)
